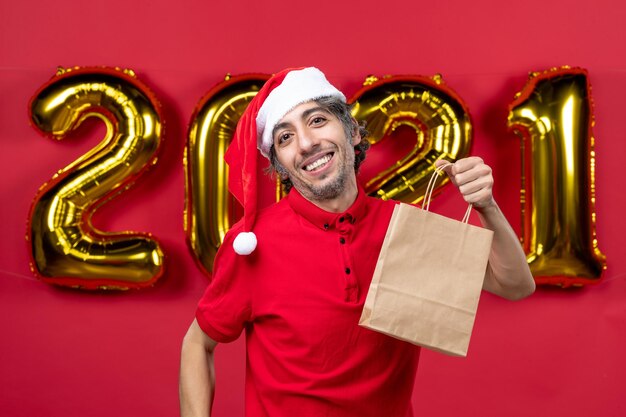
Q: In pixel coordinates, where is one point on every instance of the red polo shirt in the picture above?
(299, 297)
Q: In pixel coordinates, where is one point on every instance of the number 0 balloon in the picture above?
(65, 248)
(210, 211)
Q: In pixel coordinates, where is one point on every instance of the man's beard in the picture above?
(327, 191)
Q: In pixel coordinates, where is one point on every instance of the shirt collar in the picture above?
(323, 219)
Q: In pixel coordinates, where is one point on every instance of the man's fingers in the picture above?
(473, 178)
(476, 185)
(442, 162)
(475, 173)
(466, 164)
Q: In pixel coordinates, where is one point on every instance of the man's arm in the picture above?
(508, 274)
(197, 373)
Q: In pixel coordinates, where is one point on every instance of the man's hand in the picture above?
(473, 179)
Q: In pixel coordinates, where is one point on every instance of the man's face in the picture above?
(313, 151)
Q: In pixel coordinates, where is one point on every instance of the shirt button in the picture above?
(341, 220)
(348, 271)
(342, 240)
(326, 226)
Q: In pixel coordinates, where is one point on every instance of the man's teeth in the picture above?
(318, 163)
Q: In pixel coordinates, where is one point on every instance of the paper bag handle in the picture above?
(431, 187)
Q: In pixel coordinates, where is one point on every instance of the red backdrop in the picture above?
(65, 352)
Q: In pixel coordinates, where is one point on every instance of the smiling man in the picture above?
(295, 275)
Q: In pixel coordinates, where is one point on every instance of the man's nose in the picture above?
(306, 141)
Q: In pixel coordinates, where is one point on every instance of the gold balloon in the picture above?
(209, 209)
(437, 119)
(65, 248)
(553, 115)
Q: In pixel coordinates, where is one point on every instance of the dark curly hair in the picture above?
(342, 111)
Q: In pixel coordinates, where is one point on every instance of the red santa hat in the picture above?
(278, 96)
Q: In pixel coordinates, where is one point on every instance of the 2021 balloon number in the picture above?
(413, 121)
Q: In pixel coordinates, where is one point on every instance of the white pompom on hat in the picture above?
(280, 94)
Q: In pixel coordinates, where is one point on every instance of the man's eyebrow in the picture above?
(308, 112)
(278, 127)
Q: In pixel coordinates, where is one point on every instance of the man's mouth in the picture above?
(319, 163)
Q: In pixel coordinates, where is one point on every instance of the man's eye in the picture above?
(318, 120)
(283, 137)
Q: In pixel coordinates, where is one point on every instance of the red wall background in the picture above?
(66, 352)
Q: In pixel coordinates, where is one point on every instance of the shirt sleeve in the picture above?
(225, 307)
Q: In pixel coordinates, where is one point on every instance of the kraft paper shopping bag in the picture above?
(428, 279)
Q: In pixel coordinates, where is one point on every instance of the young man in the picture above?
(299, 290)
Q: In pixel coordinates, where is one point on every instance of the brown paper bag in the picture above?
(428, 279)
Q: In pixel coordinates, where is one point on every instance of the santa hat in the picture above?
(278, 96)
